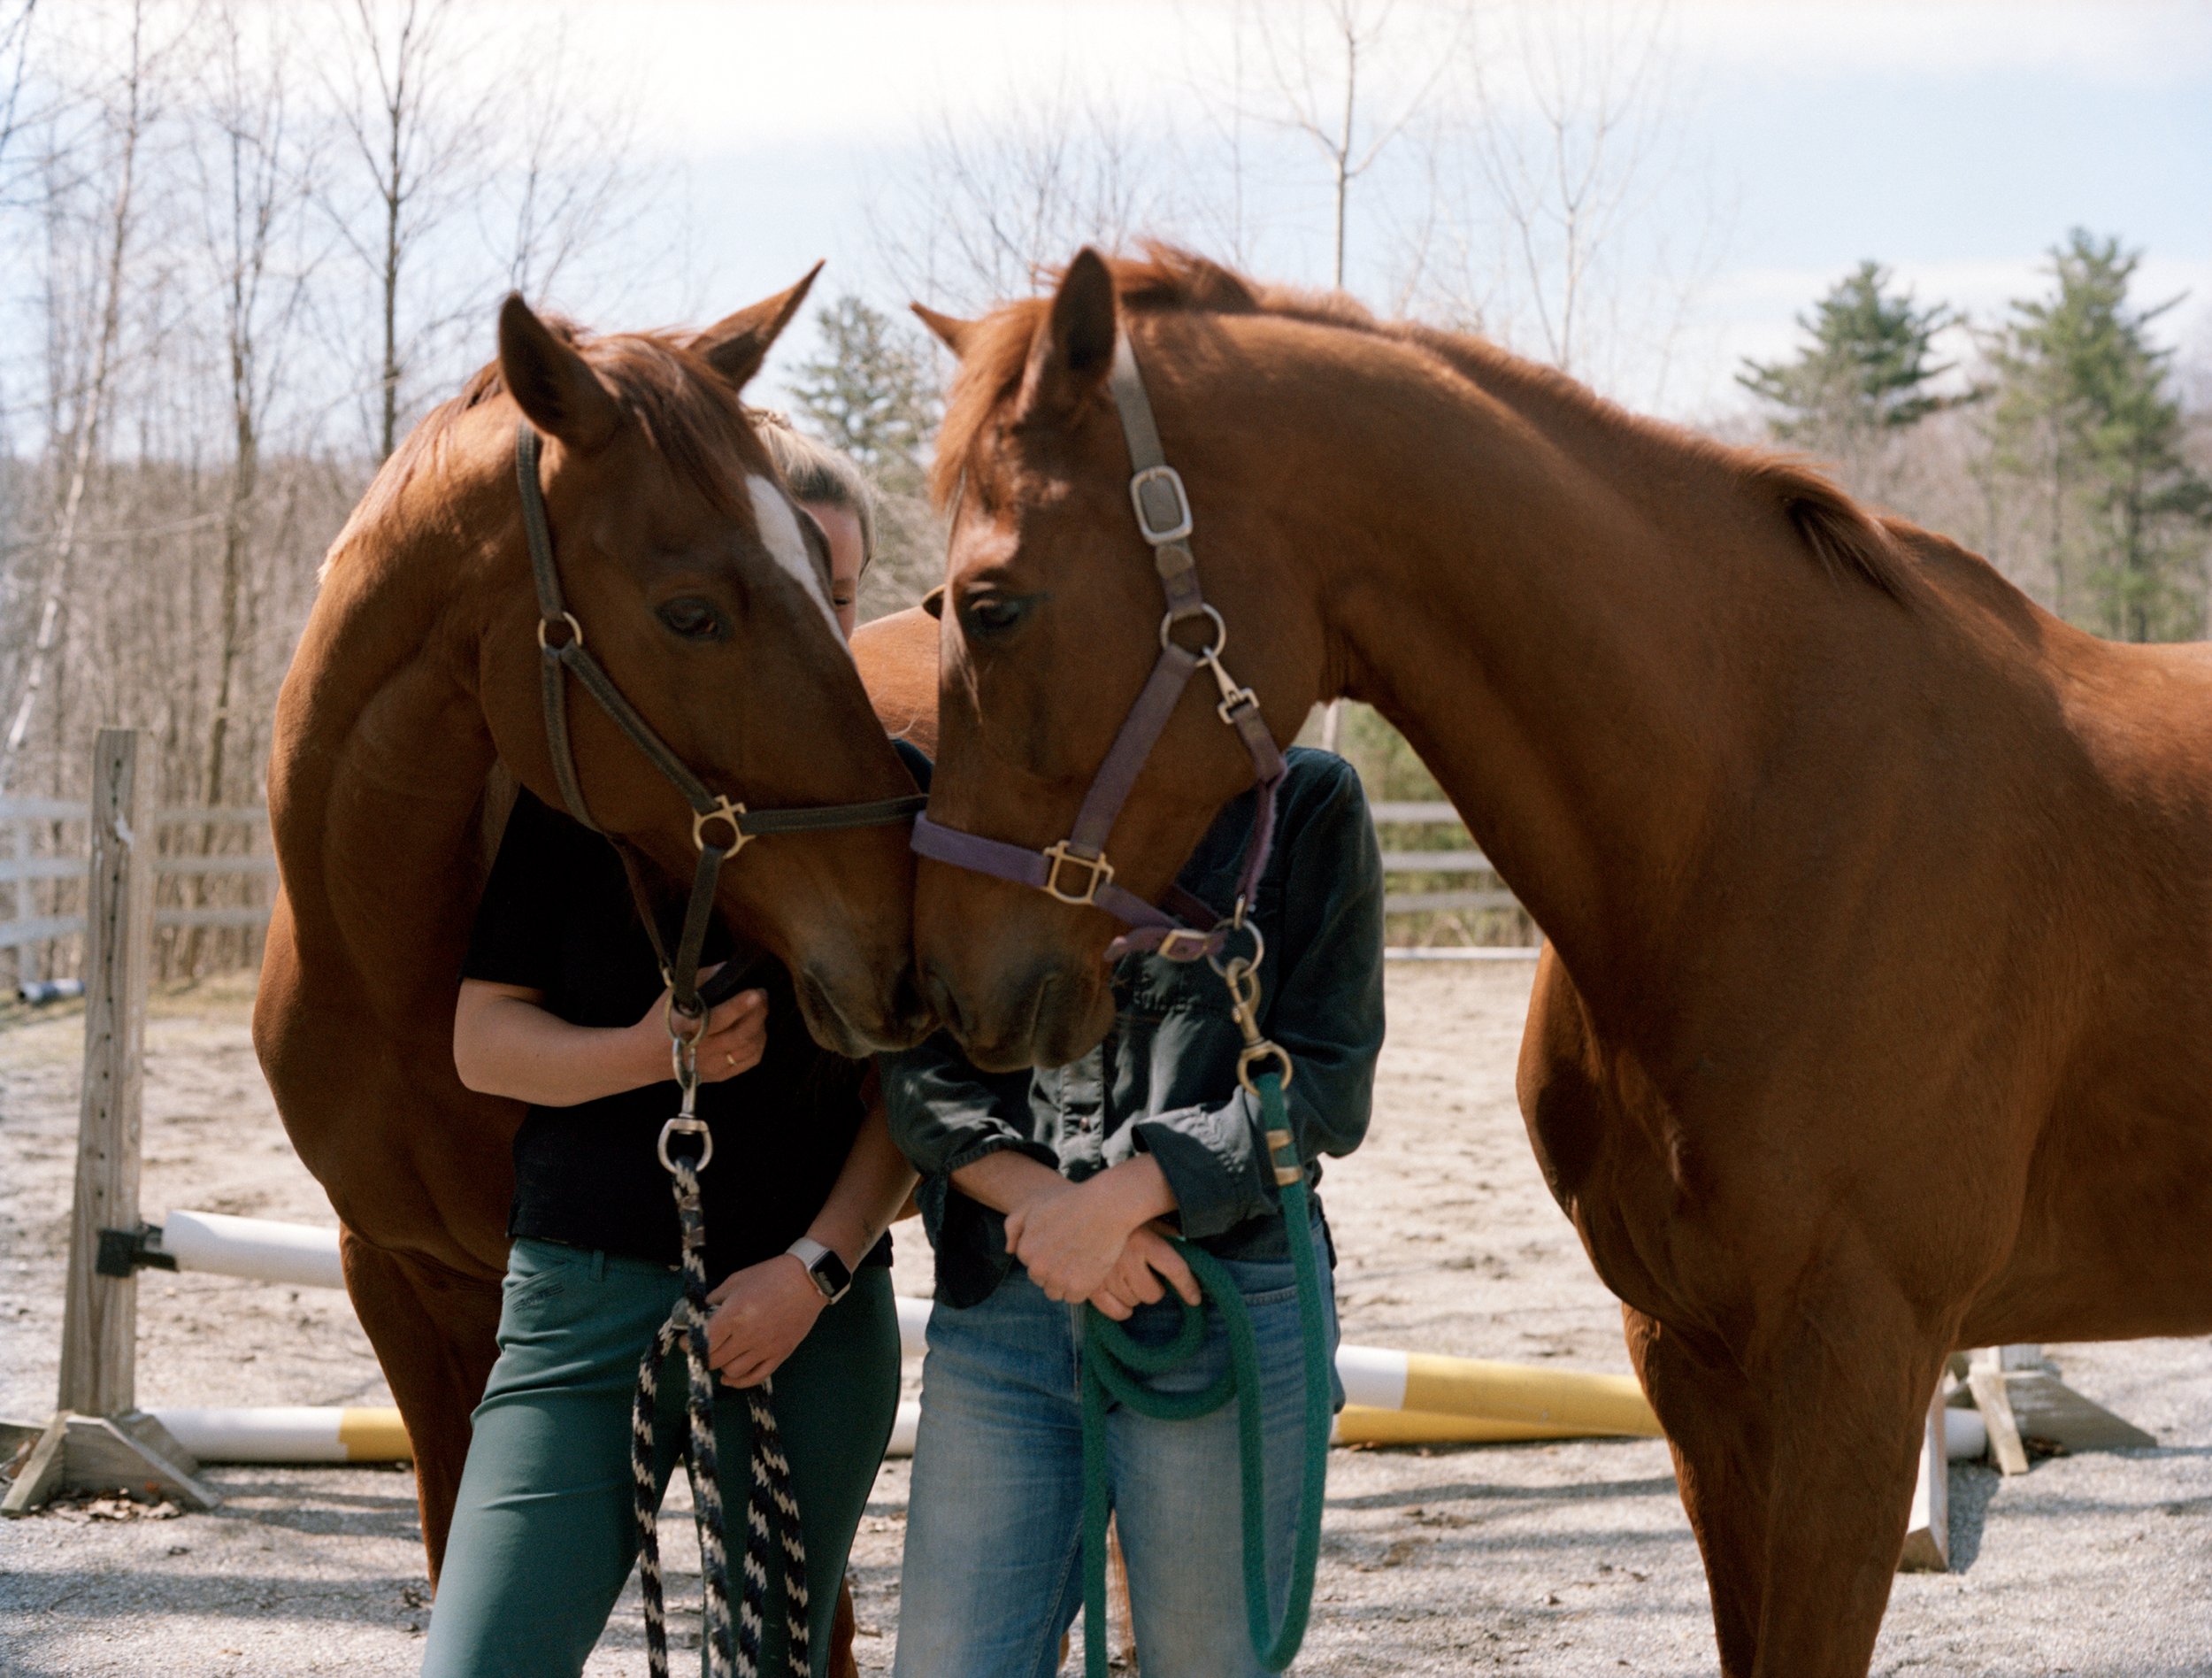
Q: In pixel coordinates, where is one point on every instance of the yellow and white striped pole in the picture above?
(1412, 1398)
(289, 1432)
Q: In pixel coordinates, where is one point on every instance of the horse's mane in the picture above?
(1842, 535)
(687, 411)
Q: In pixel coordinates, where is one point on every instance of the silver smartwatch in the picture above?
(829, 1273)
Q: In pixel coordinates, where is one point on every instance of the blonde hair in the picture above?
(813, 471)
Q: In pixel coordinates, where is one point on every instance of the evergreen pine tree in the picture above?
(2085, 418)
(870, 390)
(1864, 371)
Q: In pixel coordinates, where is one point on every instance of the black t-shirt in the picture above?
(558, 916)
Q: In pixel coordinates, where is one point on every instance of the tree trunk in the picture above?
(92, 400)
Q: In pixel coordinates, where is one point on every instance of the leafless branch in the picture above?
(985, 211)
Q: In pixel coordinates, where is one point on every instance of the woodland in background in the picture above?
(249, 244)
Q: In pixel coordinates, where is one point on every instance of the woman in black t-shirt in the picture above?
(561, 1005)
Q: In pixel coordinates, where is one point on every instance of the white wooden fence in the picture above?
(43, 852)
(1455, 859)
(42, 840)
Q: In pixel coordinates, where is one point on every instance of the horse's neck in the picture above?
(379, 788)
(1582, 641)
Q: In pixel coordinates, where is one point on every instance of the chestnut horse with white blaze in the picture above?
(417, 680)
(1875, 1018)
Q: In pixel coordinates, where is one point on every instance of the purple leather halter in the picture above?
(1075, 870)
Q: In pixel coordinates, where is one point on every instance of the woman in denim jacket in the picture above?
(1047, 1190)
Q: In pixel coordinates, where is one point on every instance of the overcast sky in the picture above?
(1955, 140)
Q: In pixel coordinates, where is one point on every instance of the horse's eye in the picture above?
(694, 619)
(987, 615)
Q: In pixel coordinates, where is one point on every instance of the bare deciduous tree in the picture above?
(1553, 236)
(1325, 59)
(572, 189)
(175, 180)
(416, 131)
(128, 117)
(984, 211)
(15, 57)
(251, 169)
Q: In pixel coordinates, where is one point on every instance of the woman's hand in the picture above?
(1071, 1240)
(1147, 1266)
(761, 1314)
(736, 1037)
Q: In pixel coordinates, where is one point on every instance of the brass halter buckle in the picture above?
(722, 811)
(1175, 939)
(1059, 855)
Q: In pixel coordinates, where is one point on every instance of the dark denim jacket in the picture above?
(1164, 1082)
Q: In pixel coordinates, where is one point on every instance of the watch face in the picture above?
(831, 1275)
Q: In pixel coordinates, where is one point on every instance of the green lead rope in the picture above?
(1116, 1366)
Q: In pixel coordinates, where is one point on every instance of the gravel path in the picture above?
(1568, 1558)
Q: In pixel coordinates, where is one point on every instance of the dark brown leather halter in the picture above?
(561, 643)
(1075, 869)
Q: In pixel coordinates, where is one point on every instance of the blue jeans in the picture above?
(993, 1575)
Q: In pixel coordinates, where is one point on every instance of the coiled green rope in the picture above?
(1116, 1366)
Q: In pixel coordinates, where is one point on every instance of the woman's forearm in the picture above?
(870, 1191)
(505, 1045)
(1008, 1179)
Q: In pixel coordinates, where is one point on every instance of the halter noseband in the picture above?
(1075, 869)
(568, 656)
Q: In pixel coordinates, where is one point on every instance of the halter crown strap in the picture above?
(1075, 870)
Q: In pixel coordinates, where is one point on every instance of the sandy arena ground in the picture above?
(1570, 1559)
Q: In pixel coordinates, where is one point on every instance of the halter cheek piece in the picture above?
(1075, 869)
(719, 827)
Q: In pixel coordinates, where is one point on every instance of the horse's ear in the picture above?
(553, 385)
(949, 330)
(737, 345)
(1074, 349)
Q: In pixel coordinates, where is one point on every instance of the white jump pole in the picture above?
(1392, 1397)
(254, 1248)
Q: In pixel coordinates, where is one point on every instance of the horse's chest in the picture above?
(1620, 1166)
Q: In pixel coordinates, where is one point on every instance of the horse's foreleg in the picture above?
(1845, 1386)
(1720, 1460)
(843, 1628)
(434, 1332)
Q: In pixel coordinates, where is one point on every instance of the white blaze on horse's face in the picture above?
(780, 532)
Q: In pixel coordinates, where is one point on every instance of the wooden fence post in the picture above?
(98, 1439)
(99, 1335)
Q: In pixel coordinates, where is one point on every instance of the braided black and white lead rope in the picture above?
(769, 1500)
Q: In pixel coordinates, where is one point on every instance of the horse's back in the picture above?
(898, 657)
